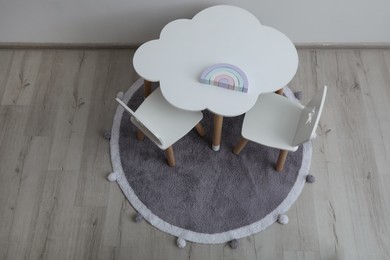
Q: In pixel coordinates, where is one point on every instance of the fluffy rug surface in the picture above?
(208, 197)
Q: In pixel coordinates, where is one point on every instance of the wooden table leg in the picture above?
(280, 91)
(170, 156)
(140, 135)
(281, 159)
(240, 145)
(147, 88)
(217, 131)
(200, 129)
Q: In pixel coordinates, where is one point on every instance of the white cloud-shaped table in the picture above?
(219, 34)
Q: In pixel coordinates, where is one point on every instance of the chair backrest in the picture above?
(141, 125)
(310, 116)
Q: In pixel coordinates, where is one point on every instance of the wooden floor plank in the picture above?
(28, 197)
(6, 58)
(373, 68)
(46, 98)
(333, 213)
(58, 220)
(76, 74)
(361, 170)
(21, 82)
(13, 150)
(268, 244)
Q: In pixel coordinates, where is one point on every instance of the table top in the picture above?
(219, 34)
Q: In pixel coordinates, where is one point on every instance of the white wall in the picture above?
(133, 22)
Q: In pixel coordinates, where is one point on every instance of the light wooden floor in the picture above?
(55, 202)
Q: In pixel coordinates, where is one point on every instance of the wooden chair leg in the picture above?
(140, 135)
(147, 88)
(240, 145)
(200, 130)
(170, 156)
(281, 159)
(279, 91)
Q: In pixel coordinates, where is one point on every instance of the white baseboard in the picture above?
(33, 45)
(334, 45)
(28, 45)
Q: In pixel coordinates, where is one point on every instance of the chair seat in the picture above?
(169, 122)
(272, 121)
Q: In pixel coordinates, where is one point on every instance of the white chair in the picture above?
(278, 122)
(162, 123)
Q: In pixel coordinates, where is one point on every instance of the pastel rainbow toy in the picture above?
(226, 76)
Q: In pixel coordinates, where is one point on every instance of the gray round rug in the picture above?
(208, 197)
